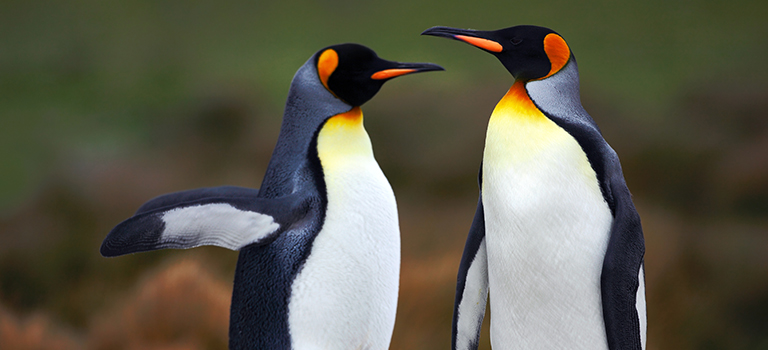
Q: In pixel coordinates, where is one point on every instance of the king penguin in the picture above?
(319, 242)
(556, 241)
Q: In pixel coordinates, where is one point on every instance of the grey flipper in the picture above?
(176, 198)
(228, 216)
(621, 273)
(622, 267)
(471, 286)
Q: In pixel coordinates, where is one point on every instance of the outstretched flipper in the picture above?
(228, 216)
(471, 286)
(623, 279)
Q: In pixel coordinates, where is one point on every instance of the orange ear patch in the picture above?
(485, 44)
(326, 64)
(557, 51)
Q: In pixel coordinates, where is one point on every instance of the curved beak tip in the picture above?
(470, 36)
(435, 68)
(438, 31)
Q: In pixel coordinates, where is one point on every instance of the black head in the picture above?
(354, 73)
(528, 52)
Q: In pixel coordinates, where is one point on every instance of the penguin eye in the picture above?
(516, 41)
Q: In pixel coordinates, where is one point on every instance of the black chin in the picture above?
(354, 90)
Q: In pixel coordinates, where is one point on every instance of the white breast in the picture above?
(547, 228)
(345, 296)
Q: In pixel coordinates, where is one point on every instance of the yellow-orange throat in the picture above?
(343, 136)
(519, 132)
(517, 102)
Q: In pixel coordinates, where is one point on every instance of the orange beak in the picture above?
(397, 69)
(391, 73)
(484, 44)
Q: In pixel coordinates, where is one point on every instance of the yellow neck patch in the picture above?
(557, 51)
(342, 138)
(326, 64)
(516, 102)
(518, 131)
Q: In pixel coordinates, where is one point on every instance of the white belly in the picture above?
(345, 296)
(547, 228)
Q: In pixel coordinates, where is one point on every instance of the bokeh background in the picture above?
(104, 105)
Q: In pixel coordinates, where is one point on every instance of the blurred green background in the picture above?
(104, 105)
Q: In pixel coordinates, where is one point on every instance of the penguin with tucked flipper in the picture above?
(319, 242)
(556, 241)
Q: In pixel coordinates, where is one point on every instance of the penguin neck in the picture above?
(559, 98)
(516, 103)
(517, 130)
(308, 105)
(343, 136)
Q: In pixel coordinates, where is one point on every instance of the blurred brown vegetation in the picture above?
(103, 108)
(181, 306)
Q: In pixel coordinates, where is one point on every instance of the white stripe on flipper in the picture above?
(640, 305)
(218, 224)
(473, 299)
